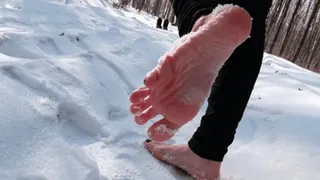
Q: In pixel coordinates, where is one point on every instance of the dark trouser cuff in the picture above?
(198, 14)
(214, 154)
(186, 21)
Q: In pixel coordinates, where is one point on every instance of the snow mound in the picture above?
(67, 69)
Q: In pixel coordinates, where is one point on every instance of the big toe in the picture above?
(152, 78)
(162, 130)
(161, 151)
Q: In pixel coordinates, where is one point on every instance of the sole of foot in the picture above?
(181, 82)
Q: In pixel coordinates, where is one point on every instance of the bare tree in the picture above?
(293, 27)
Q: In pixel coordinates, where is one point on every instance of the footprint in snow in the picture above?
(268, 111)
(4, 39)
(64, 77)
(77, 116)
(126, 51)
(88, 56)
(114, 36)
(126, 138)
(22, 76)
(79, 40)
(118, 70)
(89, 162)
(116, 113)
(114, 31)
(49, 46)
(124, 156)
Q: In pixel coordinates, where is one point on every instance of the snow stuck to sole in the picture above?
(52, 53)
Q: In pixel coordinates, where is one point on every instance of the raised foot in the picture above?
(182, 157)
(178, 86)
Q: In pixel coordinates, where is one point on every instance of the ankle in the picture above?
(211, 167)
(200, 22)
(199, 16)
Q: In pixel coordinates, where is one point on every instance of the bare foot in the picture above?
(179, 85)
(182, 157)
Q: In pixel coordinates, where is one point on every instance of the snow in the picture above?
(67, 71)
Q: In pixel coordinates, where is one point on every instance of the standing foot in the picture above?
(182, 157)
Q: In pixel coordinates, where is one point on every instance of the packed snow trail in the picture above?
(66, 73)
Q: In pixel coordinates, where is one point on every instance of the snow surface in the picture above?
(67, 71)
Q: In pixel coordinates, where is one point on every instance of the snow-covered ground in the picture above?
(67, 70)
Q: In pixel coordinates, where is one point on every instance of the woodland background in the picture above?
(293, 27)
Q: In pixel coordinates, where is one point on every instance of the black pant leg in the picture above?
(232, 89)
(233, 86)
(188, 11)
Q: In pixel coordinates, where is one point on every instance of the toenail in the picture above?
(148, 140)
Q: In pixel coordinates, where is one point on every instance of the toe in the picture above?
(162, 130)
(139, 94)
(161, 73)
(155, 149)
(146, 115)
(159, 150)
(152, 78)
(137, 109)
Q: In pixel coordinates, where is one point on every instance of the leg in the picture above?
(232, 89)
(178, 86)
(189, 11)
(227, 100)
